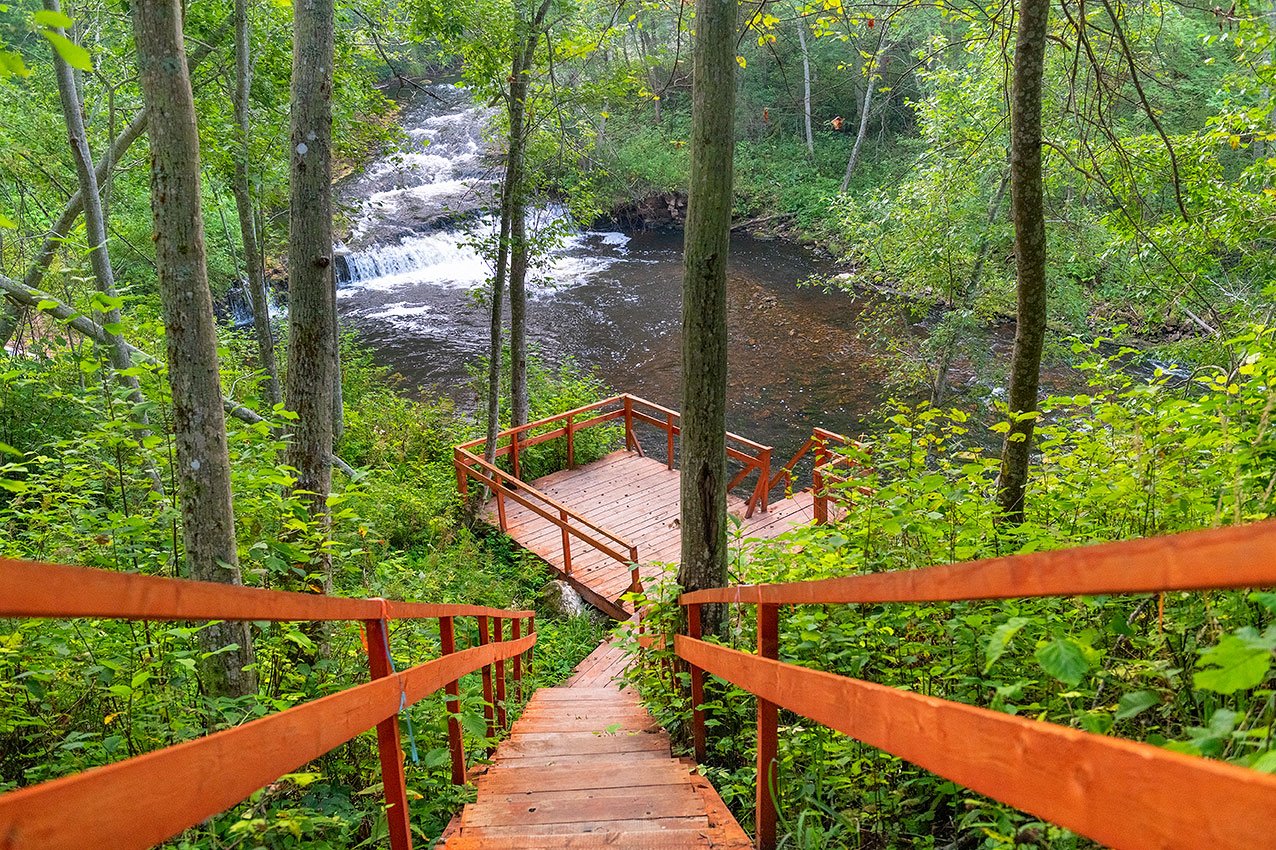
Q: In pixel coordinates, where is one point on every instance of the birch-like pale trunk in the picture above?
(254, 267)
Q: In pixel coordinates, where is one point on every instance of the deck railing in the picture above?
(824, 468)
(150, 798)
(1120, 793)
(629, 410)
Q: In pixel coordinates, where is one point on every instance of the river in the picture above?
(409, 274)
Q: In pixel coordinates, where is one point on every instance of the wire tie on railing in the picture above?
(403, 688)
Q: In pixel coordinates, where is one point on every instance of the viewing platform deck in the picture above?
(608, 525)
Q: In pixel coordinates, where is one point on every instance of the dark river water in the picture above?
(410, 277)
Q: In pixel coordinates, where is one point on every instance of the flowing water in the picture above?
(409, 272)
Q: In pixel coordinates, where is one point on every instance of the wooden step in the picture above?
(587, 766)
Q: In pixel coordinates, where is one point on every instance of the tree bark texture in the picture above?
(254, 268)
(203, 464)
(1027, 209)
(516, 182)
(704, 302)
(311, 302)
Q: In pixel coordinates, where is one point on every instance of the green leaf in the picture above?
(1064, 659)
(1135, 703)
(1001, 638)
(48, 18)
(11, 65)
(71, 53)
(46, 304)
(1240, 661)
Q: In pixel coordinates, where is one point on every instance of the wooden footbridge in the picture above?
(585, 766)
(611, 525)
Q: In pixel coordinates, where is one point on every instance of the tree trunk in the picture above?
(253, 264)
(95, 229)
(967, 296)
(495, 338)
(515, 177)
(1030, 254)
(704, 303)
(873, 71)
(203, 465)
(806, 86)
(311, 301)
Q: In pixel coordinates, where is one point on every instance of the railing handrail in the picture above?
(616, 399)
(1091, 784)
(147, 799)
(1232, 557)
(527, 489)
(38, 589)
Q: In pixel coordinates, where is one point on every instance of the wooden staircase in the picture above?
(587, 766)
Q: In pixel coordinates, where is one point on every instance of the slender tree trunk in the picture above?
(704, 302)
(516, 179)
(75, 204)
(311, 302)
(806, 86)
(1027, 208)
(871, 84)
(495, 339)
(203, 464)
(253, 263)
(967, 295)
(95, 227)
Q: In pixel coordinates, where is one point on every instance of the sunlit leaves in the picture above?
(51, 25)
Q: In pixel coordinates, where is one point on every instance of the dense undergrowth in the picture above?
(1130, 458)
(76, 694)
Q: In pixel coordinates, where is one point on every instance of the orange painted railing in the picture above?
(1120, 793)
(148, 799)
(823, 469)
(627, 409)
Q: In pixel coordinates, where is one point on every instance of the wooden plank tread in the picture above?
(587, 766)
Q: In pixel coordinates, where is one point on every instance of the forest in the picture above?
(264, 265)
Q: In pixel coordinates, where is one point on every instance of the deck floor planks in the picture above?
(587, 766)
(636, 498)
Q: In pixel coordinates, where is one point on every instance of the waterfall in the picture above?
(444, 258)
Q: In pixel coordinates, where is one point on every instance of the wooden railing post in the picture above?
(635, 576)
(567, 542)
(697, 686)
(629, 423)
(458, 462)
(388, 746)
(500, 502)
(516, 627)
(488, 700)
(768, 721)
(764, 481)
(498, 629)
(820, 505)
(571, 444)
(669, 437)
(455, 744)
(531, 630)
